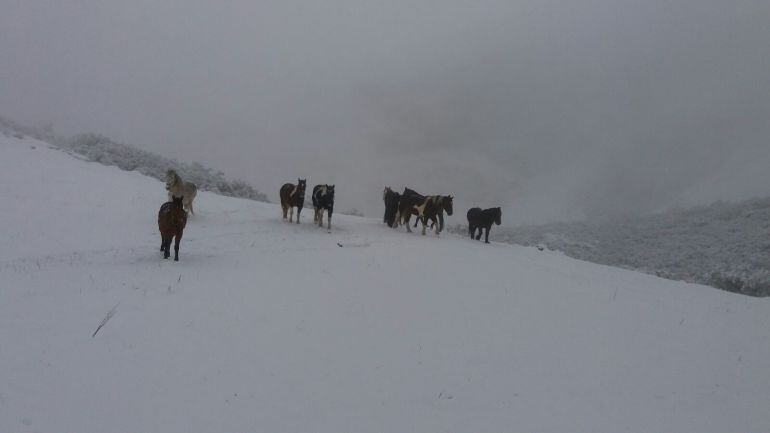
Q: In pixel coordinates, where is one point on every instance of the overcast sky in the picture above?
(552, 109)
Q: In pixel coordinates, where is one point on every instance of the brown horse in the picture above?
(425, 208)
(172, 220)
(293, 196)
(406, 204)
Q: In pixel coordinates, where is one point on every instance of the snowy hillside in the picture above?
(725, 245)
(101, 149)
(265, 326)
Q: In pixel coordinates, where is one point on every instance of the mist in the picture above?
(551, 109)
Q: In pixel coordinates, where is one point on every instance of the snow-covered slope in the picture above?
(725, 245)
(265, 326)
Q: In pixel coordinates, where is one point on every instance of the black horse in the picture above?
(483, 219)
(391, 199)
(323, 198)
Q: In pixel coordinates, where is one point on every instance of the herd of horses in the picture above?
(399, 209)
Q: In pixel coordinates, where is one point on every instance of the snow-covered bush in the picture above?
(101, 149)
(98, 148)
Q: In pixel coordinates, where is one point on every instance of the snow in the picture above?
(269, 326)
(724, 245)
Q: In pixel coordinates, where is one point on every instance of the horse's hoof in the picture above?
(176, 259)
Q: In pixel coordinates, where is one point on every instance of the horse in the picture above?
(293, 196)
(172, 220)
(412, 193)
(483, 219)
(445, 205)
(323, 198)
(391, 200)
(178, 188)
(408, 196)
(425, 208)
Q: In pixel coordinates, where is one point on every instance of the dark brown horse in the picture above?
(172, 220)
(293, 196)
(391, 199)
(482, 219)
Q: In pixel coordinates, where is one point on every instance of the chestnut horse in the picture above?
(172, 220)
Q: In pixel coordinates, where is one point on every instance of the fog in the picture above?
(551, 109)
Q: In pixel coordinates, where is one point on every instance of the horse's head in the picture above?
(386, 192)
(330, 191)
(171, 178)
(301, 184)
(177, 201)
(446, 202)
(498, 214)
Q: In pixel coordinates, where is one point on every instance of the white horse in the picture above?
(178, 188)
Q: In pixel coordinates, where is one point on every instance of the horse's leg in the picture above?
(486, 235)
(441, 221)
(481, 229)
(437, 226)
(291, 213)
(471, 229)
(176, 245)
(424, 224)
(407, 219)
(299, 209)
(329, 219)
(166, 247)
(320, 217)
